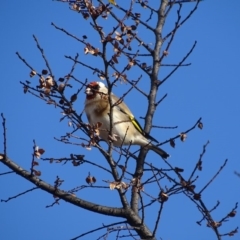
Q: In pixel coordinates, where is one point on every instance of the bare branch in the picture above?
(20, 194)
(43, 55)
(4, 134)
(97, 229)
(211, 180)
(117, 212)
(180, 63)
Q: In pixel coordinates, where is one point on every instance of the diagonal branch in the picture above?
(93, 207)
(97, 229)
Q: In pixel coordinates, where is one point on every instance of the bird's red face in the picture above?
(92, 89)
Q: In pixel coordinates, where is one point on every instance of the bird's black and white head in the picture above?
(94, 88)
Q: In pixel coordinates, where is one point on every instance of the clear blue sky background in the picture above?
(208, 89)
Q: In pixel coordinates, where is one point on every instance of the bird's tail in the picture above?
(159, 151)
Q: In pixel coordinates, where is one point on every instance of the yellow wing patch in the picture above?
(139, 128)
(112, 2)
(136, 124)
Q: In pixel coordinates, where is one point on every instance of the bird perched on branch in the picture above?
(125, 128)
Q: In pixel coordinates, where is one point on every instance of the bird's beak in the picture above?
(88, 91)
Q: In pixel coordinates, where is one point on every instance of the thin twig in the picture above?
(159, 101)
(97, 229)
(43, 55)
(20, 194)
(199, 161)
(180, 63)
(158, 218)
(6, 172)
(178, 136)
(221, 168)
(4, 134)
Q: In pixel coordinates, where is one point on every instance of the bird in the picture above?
(125, 128)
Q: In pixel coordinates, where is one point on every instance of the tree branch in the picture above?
(93, 207)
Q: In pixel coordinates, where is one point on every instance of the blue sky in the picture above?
(209, 88)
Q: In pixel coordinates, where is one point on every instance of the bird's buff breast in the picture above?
(99, 112)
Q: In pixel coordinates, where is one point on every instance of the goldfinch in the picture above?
(126, 129)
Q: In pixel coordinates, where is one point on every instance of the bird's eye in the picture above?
(95, 87)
